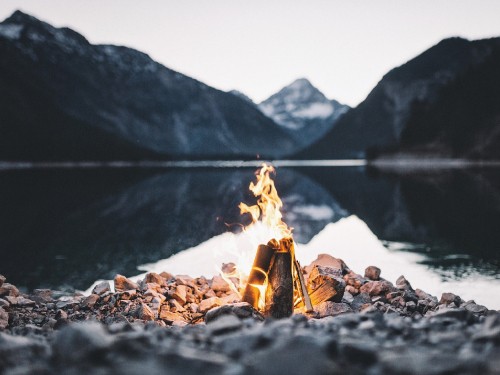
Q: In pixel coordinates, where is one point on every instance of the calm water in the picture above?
(67, 227)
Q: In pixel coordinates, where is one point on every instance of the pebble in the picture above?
(372, 273)
(209, 303)
(101, 288)
(377, 288)
(4, 318)
(122, 283)
(399, 331)
(219, 284)
(329, 308)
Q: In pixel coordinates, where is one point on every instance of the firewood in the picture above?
(302, 288)
(325, 284)
(258, 274)
(279, 292)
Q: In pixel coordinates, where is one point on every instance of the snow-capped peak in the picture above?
(296, 104)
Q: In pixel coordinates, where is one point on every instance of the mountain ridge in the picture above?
(376, 124)
(113, 102)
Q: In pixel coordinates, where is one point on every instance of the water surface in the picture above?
(67, 227)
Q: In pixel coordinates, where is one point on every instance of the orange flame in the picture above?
(268, 207)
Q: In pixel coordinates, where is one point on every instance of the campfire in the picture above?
(275, 283)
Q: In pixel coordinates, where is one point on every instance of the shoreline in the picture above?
(190, 325)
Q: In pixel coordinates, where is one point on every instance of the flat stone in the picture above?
(11, 300)
(354, 280)
(360, 300)
(376, 288)
(224, 324)
(231, 298)
(152, 277)
(241, 310)
(219, 284)
(457, 313)
(167, 276)
(329, 308)
(128, 294)
(184, 280)
(170, 316)
(180, 294)
(4, 303)
(326, 260)
(42, 296)
(90, 301)
(423, 295)
(101, 288)
(145, 313)
(176, 306)
(209, 293)
(209, 303)
(403, 284)
(122, 283)
(447, 298)
(476, 309)
(372, 273)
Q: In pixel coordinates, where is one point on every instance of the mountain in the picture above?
(444, 102)
(62, 98)
(303, 111)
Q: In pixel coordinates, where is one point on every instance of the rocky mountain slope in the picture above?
(443, 102)
(64, 98)
(303, 111)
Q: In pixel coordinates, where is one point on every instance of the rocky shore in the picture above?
(177, 324)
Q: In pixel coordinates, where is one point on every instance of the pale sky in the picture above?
(259, 46)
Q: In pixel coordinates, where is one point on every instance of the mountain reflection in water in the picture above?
(67, 228)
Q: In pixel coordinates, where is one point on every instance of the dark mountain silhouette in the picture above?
(444, 102)
(64, 98)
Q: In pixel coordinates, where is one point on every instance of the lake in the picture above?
(66, 227)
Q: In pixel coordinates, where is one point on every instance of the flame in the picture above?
(266, 225)
(268, 208)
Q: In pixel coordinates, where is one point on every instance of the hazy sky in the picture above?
(343, 47)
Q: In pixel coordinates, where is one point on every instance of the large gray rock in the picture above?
(79, 342)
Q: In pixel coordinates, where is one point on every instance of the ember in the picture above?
(275, 271)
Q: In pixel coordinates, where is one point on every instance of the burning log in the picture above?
(259, 273)
(325, 284)
(279, 292)
(275, 268)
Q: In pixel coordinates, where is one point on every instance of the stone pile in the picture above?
(198, 325)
